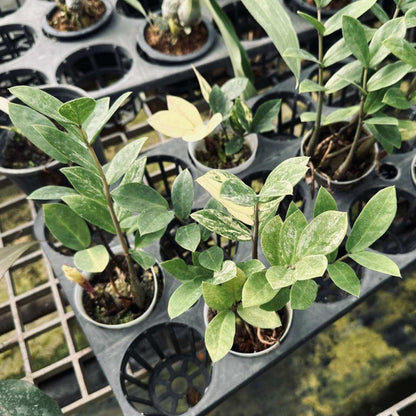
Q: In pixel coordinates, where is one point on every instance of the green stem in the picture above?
(133, 277)
(342, 170)
(397, 11)
(411, 89)
(254, 253)
(317, 128)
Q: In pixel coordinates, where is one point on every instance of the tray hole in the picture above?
(11, 364)
(166, 369)
(95, 68)
(388, 171)
(20, 77)
(399, 238)
(7, 329)
(125, 9)
(15, 40)
(93, 375)
(29, 276)
(10, 6)
(287, 122)
(78, 337)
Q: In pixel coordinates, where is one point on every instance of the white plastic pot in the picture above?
(412, 170)
(251, 140)
(289, 312)
(80, 306)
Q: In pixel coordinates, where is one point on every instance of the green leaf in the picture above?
(280, 276)
(135, 172)
(72, 149)
(18, 398)
(355, 9)
(388, 75)
(204, 85)
(85, 182)
(323, 234)
(324, 202)
(188, 236)
(279, 301)
(373, 221)
(237, 53)
(292, 208)
(136, 197)
(212, 258)
(274, 19)
(382, 121)
(410, 17)
(250, 267)
(395, 28)
(123, 160)
(235, 285)
(141, 241)
(259, 318)
(352, 71)
(396, 98)
(218, 102)
(243, 115)
(300, 54)
(403, 49)
(66, 226)
(303, 294)
(77, 111)
(222, 224)
(216, 296)
(377, 262)
(373, 102)
(265, 115)
(388, 136)
(344, 277)
(219, 335)
(51, 192)
(354, 36)
(309, 267)
(24, 118)
(100, 118)
(291, 231)
(257, 290)
(275, 191)
(342, 114)
(151, 220)
(183, 195)
(10, 254)
(92, 260)
(91, 210)
(381, 15)
(235, 190)
(227, 272)
(270, 241)
(234, 87)
(308, 85)
(185, 296)
(314, 22)
(178, 269)
(234, 145)
(143, 259)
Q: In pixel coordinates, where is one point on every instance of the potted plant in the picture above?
(24, 157)
(342, 144)
(178, 34)
(229, 140)
(73, 19)
(121, 290)
(247, 302)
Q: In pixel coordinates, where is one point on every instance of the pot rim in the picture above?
(163, 58)
(80, 306)
(412, 170)
(251, 139)
(341, 183)
(289, 311)
(62, 35)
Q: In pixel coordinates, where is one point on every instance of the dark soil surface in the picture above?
(19, 153)
(119, 309)
(246, 339)
(332, 140)
(92, 13)
(214, 156)
(185, 44)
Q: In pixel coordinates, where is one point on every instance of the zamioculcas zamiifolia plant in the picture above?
(227, 146)
(247, 300)
(341, 144)
(122, 290)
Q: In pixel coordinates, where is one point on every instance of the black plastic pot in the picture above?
(15, 41)
(30, 179)
(61, 35)
(153, 55)
(15, 77)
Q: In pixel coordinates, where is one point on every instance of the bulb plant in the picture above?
(231, 121)
(67, 132)
(246, 298)
(341, 144)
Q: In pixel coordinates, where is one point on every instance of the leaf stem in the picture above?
(254, 253)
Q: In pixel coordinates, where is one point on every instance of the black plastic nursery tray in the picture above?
(169, 354)
(104, 63)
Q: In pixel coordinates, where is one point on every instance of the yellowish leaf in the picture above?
(203, 85)
(171, 123)
(185, 108)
